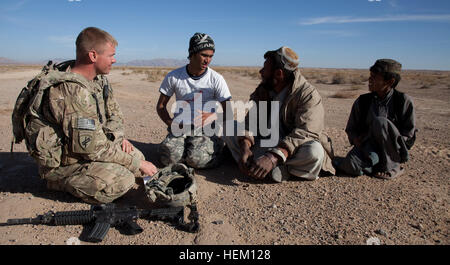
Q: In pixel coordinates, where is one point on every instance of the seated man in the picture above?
(381, 126)
(194, 85)
(76, 135)
(298, 151)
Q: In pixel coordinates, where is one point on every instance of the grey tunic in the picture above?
(388, 130)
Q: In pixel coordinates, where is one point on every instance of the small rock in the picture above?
(373, 241)
(337, 236)
(418, 227)
(218, 222)
(381, 232)
(274, 206)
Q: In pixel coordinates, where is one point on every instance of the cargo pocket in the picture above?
(85, 186)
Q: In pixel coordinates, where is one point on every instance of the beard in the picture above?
(268, 83)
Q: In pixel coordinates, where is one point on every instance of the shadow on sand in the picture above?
(19, 174)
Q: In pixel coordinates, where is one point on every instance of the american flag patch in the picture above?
(86, 124)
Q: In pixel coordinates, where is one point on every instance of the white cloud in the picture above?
(398, 18)
(337, 33)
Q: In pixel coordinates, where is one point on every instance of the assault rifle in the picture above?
(105, 216)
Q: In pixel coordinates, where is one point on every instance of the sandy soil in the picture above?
(412, 209)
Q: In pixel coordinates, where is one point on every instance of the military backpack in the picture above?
(44, 140)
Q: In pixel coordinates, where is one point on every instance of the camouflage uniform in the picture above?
(93, 166)
(196, 151)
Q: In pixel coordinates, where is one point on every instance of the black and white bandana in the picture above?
(200, 42)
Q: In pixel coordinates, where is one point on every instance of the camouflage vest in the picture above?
(43, 139)
(172, 186)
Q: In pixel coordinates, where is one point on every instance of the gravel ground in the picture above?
(234, 210)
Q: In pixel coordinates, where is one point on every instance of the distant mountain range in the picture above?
(7, 61)
(153, 62)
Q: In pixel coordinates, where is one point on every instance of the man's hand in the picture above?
(147, 168)
(246, 154)
(204, 118)
(261, 167)
(127, 146)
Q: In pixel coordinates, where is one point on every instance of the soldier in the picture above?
(98, 164)
(300, 149)
(381, 126)
(194, 85)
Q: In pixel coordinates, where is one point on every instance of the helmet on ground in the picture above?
(172, 186)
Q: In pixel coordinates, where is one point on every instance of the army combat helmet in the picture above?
(172, 186)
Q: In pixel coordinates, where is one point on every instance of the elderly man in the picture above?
(381, 126)
(299, 151)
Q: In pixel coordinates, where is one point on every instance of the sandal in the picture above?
(392, 174)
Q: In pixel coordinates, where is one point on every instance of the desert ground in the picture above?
(333, 210)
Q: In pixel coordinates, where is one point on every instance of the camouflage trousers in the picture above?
(196, 151)
(94, 182)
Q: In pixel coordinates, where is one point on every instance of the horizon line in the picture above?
(231, 66)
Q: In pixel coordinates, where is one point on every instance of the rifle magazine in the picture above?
(99, 232)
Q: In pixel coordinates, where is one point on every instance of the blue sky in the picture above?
(327, 33)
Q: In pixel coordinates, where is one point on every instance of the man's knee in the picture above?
(201, 156)
(100, 183)
(203, 152)
(171, 150)
(379, 124)
(198, 159)
(311, 152)
(307, 163)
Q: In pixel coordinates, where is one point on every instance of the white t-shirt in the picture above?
(211, 87)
